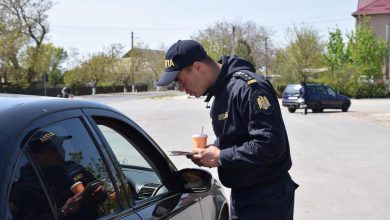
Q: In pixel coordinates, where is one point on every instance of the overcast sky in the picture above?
(91, 25)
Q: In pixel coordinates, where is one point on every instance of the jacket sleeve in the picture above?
(259, 109)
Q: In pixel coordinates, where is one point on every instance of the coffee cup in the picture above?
(77, 187)
(200, 140)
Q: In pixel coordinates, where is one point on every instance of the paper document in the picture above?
(180, 153)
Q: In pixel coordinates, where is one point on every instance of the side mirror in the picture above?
(195, 180)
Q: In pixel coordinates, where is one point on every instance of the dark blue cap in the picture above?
(180, 55)
(47, 140)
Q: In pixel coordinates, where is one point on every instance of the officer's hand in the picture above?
(98, 194)
(195, 161)
(208, 157)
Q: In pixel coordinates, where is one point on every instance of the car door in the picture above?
(150, 176)
(324, 97)
(21, 202)
(335, 102)
(60, 160)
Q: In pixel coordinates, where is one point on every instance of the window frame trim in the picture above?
(21, 141)
(167, 177)
(47, 121)
(38, 173)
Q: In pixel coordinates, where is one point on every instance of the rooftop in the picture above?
(372, 7)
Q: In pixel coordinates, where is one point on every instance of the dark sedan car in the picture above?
(318, 98)
(73, 159)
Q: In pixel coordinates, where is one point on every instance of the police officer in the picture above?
(252, 151)
(65, 92)
(303, 96)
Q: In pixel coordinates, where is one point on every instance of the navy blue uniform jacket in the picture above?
(249, 127)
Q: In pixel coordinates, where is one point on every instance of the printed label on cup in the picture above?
(200, 140)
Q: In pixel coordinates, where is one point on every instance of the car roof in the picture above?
(39, 105)
(307, 84)
(17, 111)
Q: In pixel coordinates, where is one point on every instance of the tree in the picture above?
(243, 50)
(337, 57)
(122, 72)
(284, 67)
(305, 49)
(11, 44)
(74, 77)
(336, 53)
(114, 75)
(155, 62)
(47, 61)
(136, 59)
(29, 17)
(56, 56)
(367, 51)
(356, 69)
(97, 69)
(73, 60)
(115, 50)
(219, 40)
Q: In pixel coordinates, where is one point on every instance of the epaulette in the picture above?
(245, 76)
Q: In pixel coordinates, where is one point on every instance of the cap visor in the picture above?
(168, 77)
(63, 138)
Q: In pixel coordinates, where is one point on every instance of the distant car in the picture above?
(318, 98)
(50, 147)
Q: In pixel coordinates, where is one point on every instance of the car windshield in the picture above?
(292, 89)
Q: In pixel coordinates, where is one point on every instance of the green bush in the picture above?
(366, 90)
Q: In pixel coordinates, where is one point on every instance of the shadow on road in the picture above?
(325, 112)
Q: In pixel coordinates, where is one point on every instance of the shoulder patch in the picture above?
(245, 76)
(261, 103)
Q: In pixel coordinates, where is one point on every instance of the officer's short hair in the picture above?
(208, 60)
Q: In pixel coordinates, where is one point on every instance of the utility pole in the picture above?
(388, 54)
(45, 79)
(266, 57)
(132, 40)
(234, 40)
(132, 57)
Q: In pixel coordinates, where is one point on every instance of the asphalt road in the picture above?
(340, 160)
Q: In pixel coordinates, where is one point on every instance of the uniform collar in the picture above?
(221, 79)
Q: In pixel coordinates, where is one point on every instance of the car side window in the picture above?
(310, 90)
(27, 198)
(74, 172)
(321, 90)
(330, 91)
(137, 168)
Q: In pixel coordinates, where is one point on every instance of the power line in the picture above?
(275, 23)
